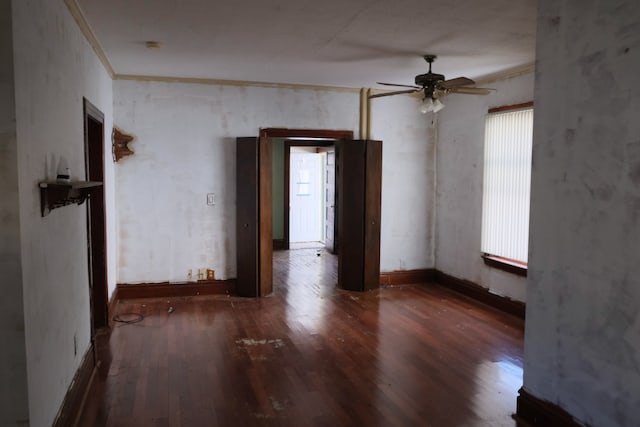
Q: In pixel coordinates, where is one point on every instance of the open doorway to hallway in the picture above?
(304, 204)
(357, 211)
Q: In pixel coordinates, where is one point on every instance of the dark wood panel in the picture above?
(537, 412)
(372, 213)
(481, 294)
(265, 231)
(247, 212)
(311, 355)
(407, 277)
(306, 133)
(166, 289)
(76, 394)
(351, 201)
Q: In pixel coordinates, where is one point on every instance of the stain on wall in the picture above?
(55, 67)
(408, 183)
(185, 148)
(582, 337)
(459, 193)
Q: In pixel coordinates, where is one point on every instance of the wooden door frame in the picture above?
(288, 143)
(96, 221)
(312, 134)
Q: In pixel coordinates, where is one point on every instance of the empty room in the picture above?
(290, 213)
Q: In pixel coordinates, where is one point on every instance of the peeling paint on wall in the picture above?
(582, 340)
(55, 67)
(460, 176)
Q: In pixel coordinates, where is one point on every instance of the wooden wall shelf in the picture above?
(54, 194)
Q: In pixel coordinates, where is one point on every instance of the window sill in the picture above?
(505, 265)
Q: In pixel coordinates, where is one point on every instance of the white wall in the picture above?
(460, 156)
(185, 147)
(54, 68)
(408, 182)
(14, 406)
(582, 339)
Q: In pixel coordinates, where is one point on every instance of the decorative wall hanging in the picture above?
(120, 142)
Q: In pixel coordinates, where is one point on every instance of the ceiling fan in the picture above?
(434, 86)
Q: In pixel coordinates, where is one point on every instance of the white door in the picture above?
(329, 203)
(305, 197)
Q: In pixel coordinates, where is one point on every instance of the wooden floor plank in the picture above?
(310, 355)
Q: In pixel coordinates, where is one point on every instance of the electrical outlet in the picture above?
(211, 199)
(190, 275)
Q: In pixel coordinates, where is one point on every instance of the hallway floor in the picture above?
(310, 355)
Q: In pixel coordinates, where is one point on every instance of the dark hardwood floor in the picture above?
(310, 355)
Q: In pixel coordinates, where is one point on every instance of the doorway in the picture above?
(96, 218)
(306, 203)
(309, 197)
(358, 176)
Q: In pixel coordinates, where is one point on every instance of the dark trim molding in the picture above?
(113, 301)
(511, 107)
(407, 277)
(279, 244)
(77, 392)
(306, 133)
(166, 289)
(504, 265)
(477, 292)
(537, 412)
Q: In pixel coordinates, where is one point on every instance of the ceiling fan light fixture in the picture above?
(429, 104)
(437, 106)
(426, 105)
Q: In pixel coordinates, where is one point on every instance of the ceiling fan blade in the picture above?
(393, 84)
(459, 81)
(471, 90)
(398, 92)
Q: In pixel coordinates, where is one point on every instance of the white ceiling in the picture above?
(351, 43)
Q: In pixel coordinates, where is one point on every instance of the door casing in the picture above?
(93, 120)
(263, 214)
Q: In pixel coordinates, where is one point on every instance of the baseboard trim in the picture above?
(166, 289)
(407, 277)
(477, 292)
(77, 392)
(113, 301)
(537, 412)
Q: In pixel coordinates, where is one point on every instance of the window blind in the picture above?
(507, 184)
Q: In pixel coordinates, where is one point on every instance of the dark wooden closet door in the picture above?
(253, 217)
(359, 185)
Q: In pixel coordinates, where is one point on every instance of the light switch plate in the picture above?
(211, 199)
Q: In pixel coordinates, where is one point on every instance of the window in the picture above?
(507, 184)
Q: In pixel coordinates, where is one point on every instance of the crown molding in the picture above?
(222, 82)
(507, 74)
(84, 26)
